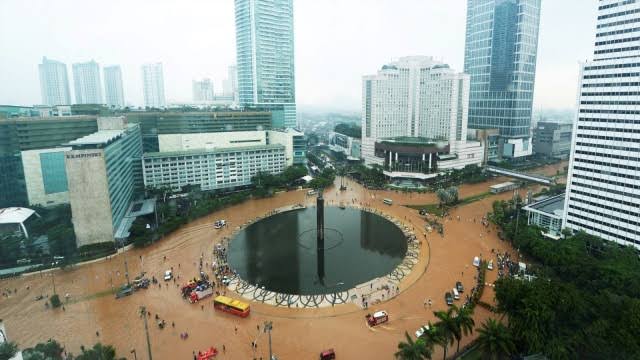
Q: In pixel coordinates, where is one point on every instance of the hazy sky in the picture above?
(336, 42)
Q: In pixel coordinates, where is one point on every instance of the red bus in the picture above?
(229, 305)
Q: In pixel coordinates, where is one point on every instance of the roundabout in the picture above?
(276, 259)
(304, 323)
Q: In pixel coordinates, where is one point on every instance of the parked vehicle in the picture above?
(490, 265)
(456, 294)
(388, 201)
(476, 261)
(219, 224)
(125, 290)
(448, 298)
(142, 283)
(459, 286)
(328, 354)
(423, 329)
(168, 275)
(198, 295)
(423, 212)
(379, 317)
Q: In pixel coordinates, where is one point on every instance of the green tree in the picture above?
(62, 240)
(412, 350)
(8, 350)
(51, 350)
(448, 327)
(465, 323)
(99, 352)
(494, 340)
(55, 301)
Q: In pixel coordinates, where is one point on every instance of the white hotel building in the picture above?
(216, 161)
(422, 99)
(603, 193)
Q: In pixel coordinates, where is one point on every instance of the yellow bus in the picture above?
(229, 305)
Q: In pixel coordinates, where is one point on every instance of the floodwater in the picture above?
(280, 252)
(297, 333)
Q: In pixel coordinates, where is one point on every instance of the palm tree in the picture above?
(465, 323)
(495, 340)
(413, 350)
(448, 327)
(431, 337)
(8, 350)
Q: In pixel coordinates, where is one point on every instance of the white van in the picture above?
(311, 192)
(388, 201)
(456, 294)
(476, 261)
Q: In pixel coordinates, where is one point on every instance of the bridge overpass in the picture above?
(520, 175)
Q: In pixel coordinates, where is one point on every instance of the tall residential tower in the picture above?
(202, 90)
(113, 91)
(603, 191)
(264, 41)
(87, 84)
(54, 83)
(500, 55)
(153, 85)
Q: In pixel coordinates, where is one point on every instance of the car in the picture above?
(459, 287)
(423, 212)
(490, 265)
(448, 298)
(328, 354)
(168, 275)
(125, 290)
(456, 294)
(476, 261)
(423, 329)
(219, 224)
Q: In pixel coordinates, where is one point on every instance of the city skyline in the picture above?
(340, 47)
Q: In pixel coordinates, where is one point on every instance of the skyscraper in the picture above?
(264, 40)
(500, 55)
(113, 86)
(153, 85)
(230, 85)
(415, 97)
(87, 84)
(54, 82)
(202, 90)
(603, 186)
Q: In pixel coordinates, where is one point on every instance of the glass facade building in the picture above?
(500, 56)
(113, 92)
(20, 134)
(265, 55)
(87, 84)
(54, 176)
(54, 82)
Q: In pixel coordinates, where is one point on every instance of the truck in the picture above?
(379, 317)
(198, 295)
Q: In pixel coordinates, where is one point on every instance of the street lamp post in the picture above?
(268, 326)
(143, 313)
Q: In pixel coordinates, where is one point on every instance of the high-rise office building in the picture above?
(603, 188)
(230, 85)
(113, 91)
(87, 84)
(54, 82)
(265, 55)
(202, 90)
(153, 85)
(500, 56)
(103, 172)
